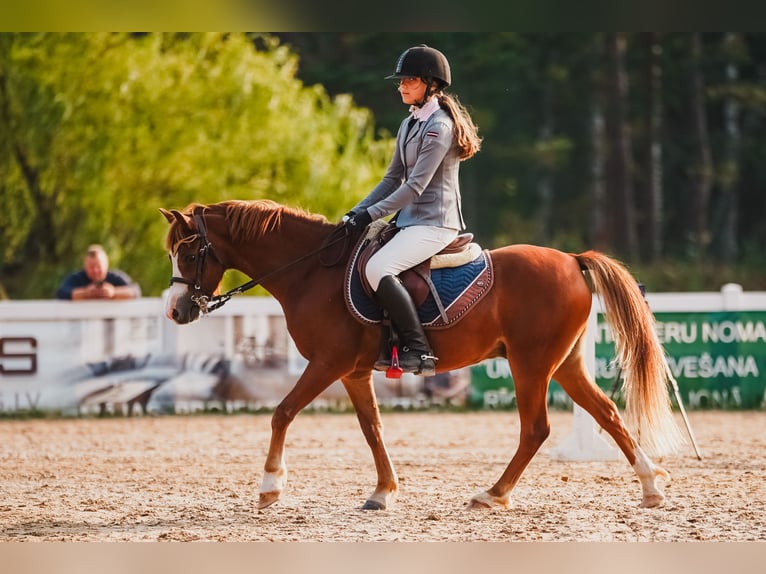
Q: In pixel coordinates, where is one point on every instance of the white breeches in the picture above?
(410, 246)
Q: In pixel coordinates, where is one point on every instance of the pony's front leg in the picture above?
(275, 470)
(315, 379)
(359, 387)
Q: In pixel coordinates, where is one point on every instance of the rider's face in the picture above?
(412, 90)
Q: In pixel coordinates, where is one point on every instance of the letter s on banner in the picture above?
(18, 356)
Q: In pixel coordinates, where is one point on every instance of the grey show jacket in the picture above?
(422, 179)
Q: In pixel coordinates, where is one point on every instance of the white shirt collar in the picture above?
(426, 110)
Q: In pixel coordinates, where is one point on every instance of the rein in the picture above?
(207, 304)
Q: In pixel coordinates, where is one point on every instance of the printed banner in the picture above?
(718, 359)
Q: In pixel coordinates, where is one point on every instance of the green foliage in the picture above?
(97, 131)
(533, 97)
(101, 130)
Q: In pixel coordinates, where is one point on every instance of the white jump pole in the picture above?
(584, 442)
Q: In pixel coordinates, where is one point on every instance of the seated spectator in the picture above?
(96, 281)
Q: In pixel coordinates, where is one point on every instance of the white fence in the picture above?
(77, 357)
(87, 356)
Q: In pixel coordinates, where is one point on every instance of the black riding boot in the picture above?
(415, 354)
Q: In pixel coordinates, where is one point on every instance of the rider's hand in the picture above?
(359, 221)
(346, 217)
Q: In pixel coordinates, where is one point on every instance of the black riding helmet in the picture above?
(423, 62)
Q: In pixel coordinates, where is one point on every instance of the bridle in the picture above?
(208, 303)
(199, 298)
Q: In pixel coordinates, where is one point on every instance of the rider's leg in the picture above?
(409, 247)
(415, 356)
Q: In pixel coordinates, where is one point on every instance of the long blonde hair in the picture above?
(466, 131)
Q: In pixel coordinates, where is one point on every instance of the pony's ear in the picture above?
(167, 214)
(175, 215)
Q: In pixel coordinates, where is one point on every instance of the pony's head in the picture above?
(197, 271)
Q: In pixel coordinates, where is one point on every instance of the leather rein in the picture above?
(207, 303)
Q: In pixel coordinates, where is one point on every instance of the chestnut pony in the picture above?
(535, 316)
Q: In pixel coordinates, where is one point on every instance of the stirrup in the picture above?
(394, 371)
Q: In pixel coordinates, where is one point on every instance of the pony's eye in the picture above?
(191, 258)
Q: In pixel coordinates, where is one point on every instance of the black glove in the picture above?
(359, 221)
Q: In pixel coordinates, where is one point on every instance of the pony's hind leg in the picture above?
(531, 397)
(574, 378)
(360, 390)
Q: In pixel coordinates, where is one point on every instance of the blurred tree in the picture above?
(726, 214)
(100, 130)
(655, 192)
(702, 166)
(542, 104)
(620, 196)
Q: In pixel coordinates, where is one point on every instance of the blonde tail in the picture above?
(648, 412)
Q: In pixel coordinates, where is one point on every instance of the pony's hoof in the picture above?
(373, 505)
(476, 505)
(485, 501)
(266, 499)
(652, 501)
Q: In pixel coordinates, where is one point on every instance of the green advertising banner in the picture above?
(718, 359)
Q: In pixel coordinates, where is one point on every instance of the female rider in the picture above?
(421, 187)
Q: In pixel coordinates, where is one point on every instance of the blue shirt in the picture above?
(80, 279)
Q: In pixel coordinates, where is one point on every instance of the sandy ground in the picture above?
(196, 478)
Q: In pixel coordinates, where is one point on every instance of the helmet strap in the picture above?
(426, 94)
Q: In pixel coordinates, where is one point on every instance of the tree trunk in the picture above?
(29, 172)
(600, 232)
(545, 178)
(655, 191)
(620, 153)
(702, 171)
(728, 204)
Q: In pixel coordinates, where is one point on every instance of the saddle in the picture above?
(444, 288)
(416, 280)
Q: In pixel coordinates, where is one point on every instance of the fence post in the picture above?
(731, 295)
